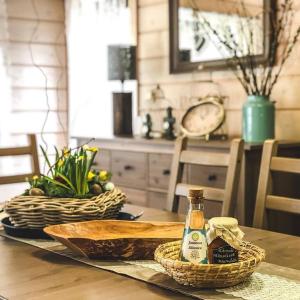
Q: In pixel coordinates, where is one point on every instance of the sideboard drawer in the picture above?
(207, 176)
(129, 168)
(159, 170)
(137, 197)
(102, 160)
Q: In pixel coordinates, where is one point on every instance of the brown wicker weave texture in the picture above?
(41, 211)
(210, 275)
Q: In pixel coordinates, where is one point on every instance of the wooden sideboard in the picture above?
(141, 168)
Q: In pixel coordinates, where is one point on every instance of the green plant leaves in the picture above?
(71, 174)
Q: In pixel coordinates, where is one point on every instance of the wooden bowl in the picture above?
(113, 239)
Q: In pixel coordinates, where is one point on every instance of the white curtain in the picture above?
(5, 85)
(91, 26)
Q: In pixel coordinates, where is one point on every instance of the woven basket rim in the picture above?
(162, 260)
(40, 211)
(115, 189)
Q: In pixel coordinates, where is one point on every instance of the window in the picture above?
(91, 27)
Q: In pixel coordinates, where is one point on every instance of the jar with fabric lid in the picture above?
(224, 240)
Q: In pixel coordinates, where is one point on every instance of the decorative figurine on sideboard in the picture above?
(168, 125)
(147, 127)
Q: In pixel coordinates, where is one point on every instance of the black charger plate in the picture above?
(30, 233)
(33, 233)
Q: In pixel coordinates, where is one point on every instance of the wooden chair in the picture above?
(265, 200)
(230, 160)
(31, 150)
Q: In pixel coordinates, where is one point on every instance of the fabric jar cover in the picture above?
(227, 229)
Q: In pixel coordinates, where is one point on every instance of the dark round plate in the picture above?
(31, 233)
(34, 233)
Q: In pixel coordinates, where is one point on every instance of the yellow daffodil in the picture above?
(103, 175)
(79, 158)
(93, 149)
(66, 152)
(60, 163)
(35, 177)
(90, 176)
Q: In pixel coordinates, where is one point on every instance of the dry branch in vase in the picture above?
(256, 79)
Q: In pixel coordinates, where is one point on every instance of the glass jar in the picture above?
(224, 240)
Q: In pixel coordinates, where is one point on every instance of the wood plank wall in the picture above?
(38, 48)
(153, 55)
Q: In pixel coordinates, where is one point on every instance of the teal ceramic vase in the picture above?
(258, 119)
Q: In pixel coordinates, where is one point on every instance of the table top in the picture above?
(30, 273)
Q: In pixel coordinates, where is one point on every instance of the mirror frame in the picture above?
(177, 66)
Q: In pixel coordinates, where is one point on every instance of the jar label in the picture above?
(194, 246)
(224, 255)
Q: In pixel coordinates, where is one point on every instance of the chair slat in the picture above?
(15, 178)
(15, 151)
(209, 193)
(204, 158)
(285, 164)
(284, 204)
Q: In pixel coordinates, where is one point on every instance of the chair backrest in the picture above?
(31, 150)
(231, 160)
(270, 162)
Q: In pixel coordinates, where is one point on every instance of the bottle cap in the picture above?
(195, 195)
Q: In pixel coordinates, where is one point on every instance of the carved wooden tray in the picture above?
(113, 239)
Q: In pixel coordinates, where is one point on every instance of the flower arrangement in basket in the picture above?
(70, 191)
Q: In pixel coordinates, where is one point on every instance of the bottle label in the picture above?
(224, 255)
(194, 246)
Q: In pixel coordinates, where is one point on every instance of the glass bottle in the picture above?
(194, 243)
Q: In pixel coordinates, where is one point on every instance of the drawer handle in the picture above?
(166, 172)
(212, 177)
(128, 168)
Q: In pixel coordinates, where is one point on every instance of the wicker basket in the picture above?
(41, 211)
(210, 275)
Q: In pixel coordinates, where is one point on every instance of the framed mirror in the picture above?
(194, 47)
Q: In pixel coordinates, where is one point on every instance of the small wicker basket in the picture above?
(209, 275)
(41, 211)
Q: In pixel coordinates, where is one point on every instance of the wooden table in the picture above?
(30, 273)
